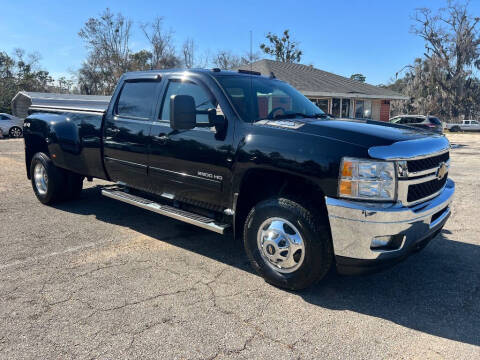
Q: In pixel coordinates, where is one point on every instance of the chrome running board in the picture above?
(170, 211)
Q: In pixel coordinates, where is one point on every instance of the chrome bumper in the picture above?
(355, 224)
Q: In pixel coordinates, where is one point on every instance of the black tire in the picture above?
(55, 186)
(73, 186)
(455, 129)
(318, 256)
(15, 132)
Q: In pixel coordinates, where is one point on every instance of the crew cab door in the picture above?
(192, 166)
(127, 131)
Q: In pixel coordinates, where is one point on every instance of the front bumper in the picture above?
(355, 224)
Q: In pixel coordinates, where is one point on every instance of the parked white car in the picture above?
(466, 125)
(11, 125)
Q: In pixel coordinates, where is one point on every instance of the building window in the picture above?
(367, 109)
(336, 107)
(346, 108)
(363, 109)
(322, 104)
(359, 109)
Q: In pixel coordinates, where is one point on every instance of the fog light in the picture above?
(388, 242)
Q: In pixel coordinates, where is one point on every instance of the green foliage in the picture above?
(444, 81)
(358, 77)
(282, 48)
(21, 72)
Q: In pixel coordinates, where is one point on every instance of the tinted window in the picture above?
(256, 98)
(203, 100)
(322, 104)
(435, 121)
(137, 99)
(336, 107)
(359, 109)
(3, 117)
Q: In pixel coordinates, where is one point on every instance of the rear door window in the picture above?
(435, 121)
(137, 99)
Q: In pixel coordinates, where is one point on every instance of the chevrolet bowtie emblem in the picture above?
(442, 171)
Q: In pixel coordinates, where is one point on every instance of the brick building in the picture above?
(334, 94)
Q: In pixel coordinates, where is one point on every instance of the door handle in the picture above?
(161, 138)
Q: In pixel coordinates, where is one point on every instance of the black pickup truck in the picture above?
(243, 153)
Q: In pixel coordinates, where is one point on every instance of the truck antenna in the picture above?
(251, 50)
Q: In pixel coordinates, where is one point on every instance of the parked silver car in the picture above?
(11, 125)
(431, 123)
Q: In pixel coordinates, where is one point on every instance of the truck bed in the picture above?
(24, 103)
(76, 124)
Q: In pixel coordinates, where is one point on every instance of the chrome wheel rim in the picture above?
(281, 245)
(16, 132)
(41, 178)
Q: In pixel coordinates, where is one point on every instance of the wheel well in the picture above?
(258, 185)
(33, 145)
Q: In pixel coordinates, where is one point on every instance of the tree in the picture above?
(282, 48)
(188, 52)
(107, 38)
(64, 85)
(443, 82)
(161, 43)
(225, 59)
(358, 77)
(141, 60)
(21, 72)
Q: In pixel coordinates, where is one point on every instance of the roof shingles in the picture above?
(312, 81)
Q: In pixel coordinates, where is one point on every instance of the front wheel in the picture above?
(287, 243)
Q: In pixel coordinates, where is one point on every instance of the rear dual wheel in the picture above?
(52, 184)
(287, 244)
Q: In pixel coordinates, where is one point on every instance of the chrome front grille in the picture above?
(418, 162)
(423, 180)
(423, 190)
(427, 163)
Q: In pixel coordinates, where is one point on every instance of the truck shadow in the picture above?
(436, 291)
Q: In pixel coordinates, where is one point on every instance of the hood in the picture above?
(365, 133)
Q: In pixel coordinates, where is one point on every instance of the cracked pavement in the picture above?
(98, 279)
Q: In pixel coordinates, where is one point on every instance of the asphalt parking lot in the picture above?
(96, 278)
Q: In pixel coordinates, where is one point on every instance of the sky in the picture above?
(371, 37)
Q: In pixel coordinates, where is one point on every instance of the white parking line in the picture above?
(55, 253)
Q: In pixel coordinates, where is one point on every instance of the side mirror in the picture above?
(218, 121)
(182, 112)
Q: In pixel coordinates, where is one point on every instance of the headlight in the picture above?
(366, 179)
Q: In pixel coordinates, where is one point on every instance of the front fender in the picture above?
(311, 157)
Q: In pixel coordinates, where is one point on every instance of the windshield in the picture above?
(256, 98)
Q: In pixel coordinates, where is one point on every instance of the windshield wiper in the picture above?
(298, 114)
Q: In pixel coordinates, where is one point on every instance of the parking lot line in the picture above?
(55, 253)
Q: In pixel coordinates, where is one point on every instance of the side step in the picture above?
(170, 211)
